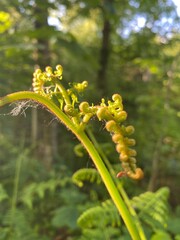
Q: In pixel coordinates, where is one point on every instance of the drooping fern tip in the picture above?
(49, 84)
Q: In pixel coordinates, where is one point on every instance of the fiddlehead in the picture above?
(86, 174)
(48, 83)
(114, 115)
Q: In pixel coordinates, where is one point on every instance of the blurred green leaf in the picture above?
(3, 193)
(65, 216)
(173, 225)
(161, 236)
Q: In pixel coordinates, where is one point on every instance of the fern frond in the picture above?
(100, 216)
(18, 226)
(153, 208)
(39, 189)
(86, 174)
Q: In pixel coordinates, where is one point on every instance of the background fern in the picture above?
(153, 208)
(29, 193)
(100, 222)
(18, 227)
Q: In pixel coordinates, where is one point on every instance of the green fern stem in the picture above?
(132, 211)
(81, 135)
(63, 92)
(118, 184)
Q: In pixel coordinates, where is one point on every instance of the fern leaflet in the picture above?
(100, 216)
(153, 208)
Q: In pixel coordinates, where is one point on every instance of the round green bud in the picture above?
(80, 86)
(129, 130)
(59, 68)
(59, 71)
(132, 152)
(102, 113)
(121, 116)
(117, 97)
(132, 160)
(120, 147)
(84, 107)
(40, 77)
(117, 137)
(123, 157)
(126, 166)
(133, 166)
(111, 126)
(137, 175)
(85, 84)
(37, 71)
(48, 69)
(69, 109)
(130, 142)
(36, 84)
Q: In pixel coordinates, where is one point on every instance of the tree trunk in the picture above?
(155, 166)
(104, 56)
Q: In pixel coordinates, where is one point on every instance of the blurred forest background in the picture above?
(127, 47)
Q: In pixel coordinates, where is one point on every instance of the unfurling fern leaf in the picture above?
(153, 208)
(100, 216)
(79, 150)
(86, 174)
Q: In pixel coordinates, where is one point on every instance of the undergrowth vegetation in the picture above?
(69, 205)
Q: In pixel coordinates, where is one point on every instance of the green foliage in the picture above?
(39, 190)
(173, 223)
(143, 65)
(3, 193)
(99, 216)
(153, 208)
(66, 216)
(87, 174)
(17, 226)
(161, 235)
(101, 221)
(177, 237)
(79, 150)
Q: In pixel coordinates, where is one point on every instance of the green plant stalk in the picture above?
(119, 185)
(80, 134)
(132, 211)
